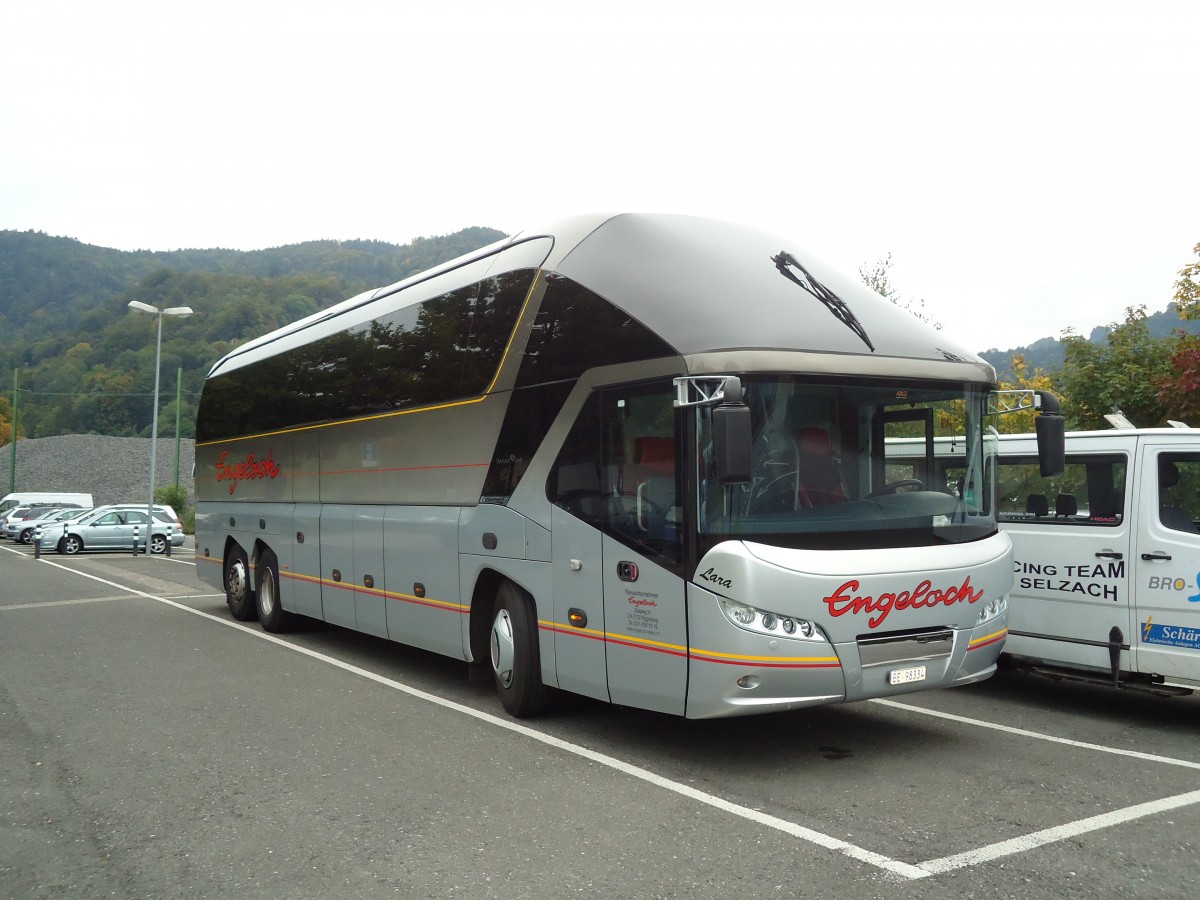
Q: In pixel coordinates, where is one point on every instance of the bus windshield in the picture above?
(847, 464)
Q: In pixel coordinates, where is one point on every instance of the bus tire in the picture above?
(516, 665)
(237, 586)
(271, 614)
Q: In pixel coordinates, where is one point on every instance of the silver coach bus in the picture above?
(635, 457)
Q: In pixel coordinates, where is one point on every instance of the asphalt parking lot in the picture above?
(151, 746)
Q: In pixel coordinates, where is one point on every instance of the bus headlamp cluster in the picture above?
(992, 609)
(762, 622)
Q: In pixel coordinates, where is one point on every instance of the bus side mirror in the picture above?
(732, 439)
(1051, 430)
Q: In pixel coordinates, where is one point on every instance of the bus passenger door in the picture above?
(619, 617)
(645, 611)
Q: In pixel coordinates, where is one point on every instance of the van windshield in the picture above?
(847, 463)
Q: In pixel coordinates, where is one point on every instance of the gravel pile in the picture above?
(111, 469)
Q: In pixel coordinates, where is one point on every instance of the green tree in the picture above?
(877, 277)
(6, 422)
(1187, 289)
(1181, 390)
(1126, 373)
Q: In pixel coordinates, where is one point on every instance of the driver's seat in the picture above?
(820, 471)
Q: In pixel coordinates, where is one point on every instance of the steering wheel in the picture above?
(779, 494)
(901, 486)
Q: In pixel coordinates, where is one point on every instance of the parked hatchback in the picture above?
(109, 528)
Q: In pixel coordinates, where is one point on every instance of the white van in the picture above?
(41, 498)
(1106, 557)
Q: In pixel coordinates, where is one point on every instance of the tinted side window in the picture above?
(575, 483)
(1090, 491)
(531, 412)
(447, 348)
(576, 330)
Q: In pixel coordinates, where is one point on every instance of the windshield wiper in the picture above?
(832, 301)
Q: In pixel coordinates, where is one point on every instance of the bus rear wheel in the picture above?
(271, 614)
(237, 587)
(516, 665)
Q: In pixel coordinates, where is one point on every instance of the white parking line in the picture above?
(1021, 732)
(892, 866)
(1058, 833)
(77, 602)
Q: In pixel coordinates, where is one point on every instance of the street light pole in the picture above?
(181, 312)
(178, 399)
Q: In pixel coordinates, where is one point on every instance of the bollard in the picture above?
(170, 534)
(37, 546)
(135, 540)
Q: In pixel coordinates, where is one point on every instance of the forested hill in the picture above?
(44, 278)
(1047, 354)
(86, 362)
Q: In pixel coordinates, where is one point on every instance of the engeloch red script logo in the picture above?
(247, 469)
(924, 595)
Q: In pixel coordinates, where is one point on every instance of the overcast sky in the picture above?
(1030, 166)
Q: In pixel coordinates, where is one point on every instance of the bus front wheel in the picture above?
(516, 666)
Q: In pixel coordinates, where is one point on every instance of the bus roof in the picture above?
(711, 289)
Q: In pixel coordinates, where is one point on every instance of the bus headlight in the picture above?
(761, 621)
(992, 609)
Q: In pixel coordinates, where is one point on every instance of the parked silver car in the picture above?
(110, 528)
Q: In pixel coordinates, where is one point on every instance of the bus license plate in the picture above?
(906, 676)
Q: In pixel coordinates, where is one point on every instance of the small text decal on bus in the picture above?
(923, 595)
(250, 468)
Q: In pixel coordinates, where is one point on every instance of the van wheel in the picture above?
(237, 587)
(271, 614)
(516, 665)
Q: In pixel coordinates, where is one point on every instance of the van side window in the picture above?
(1090, 491)
(1179, 491)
